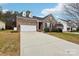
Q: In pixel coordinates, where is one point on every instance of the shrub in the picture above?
(59, 30)
(78, 29)
(74, 31)
(13, 31)
(46, 29)
(2, 29)
(56, 30)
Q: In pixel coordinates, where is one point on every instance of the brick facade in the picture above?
(40, 24)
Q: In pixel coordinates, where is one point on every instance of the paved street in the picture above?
(41, 44)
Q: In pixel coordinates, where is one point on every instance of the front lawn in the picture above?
(66, 36)
(9, 42)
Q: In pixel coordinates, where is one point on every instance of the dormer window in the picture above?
(24, 14)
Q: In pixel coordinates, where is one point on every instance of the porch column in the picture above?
(37, 26)
(43, 26)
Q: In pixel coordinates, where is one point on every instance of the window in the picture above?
(68, 29)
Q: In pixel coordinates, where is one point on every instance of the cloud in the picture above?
(55, 10)
(47, 11)
(5, 10)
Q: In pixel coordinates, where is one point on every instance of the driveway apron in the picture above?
(42, 44)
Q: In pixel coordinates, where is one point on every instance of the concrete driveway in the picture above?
(41, 44)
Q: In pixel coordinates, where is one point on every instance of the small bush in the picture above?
(56, 30)
(46, 29)
(74, 31)
(78, 29)
(2, 29)
(13, 31)
(59, 30)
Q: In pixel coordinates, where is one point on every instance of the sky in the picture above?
(37, 9)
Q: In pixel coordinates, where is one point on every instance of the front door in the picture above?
(40, 26)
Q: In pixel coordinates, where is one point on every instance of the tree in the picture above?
(20, 14)
(78, 29)
(11, 19)
(0, 9)
(16, 13)
(27, 13)
(0, 12)
(71, 10)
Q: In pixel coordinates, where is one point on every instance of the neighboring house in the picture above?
(2, 25)
(59, 26)
(72, 24)
(76, 22)
(35, 23)
(68, 25)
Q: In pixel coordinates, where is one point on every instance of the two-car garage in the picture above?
(27, 27)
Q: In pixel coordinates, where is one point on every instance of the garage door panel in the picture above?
(28, 27)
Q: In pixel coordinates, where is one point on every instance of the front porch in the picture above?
(39, 26)
(42, 25)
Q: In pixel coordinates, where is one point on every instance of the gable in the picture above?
(50, 19)
(25, 21)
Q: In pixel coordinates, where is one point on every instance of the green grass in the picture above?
(9, 42)
(66, 36)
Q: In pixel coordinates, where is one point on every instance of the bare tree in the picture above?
(71, 10)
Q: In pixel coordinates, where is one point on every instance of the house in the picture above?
(68, 25)
(2, 25)
(72, 24)
(35, 23)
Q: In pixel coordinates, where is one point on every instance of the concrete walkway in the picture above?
(41, 44)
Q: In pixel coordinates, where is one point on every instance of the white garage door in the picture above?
(28, 27)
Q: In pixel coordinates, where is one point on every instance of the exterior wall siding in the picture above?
(2, 25)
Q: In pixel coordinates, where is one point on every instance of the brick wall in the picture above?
(25, 21)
